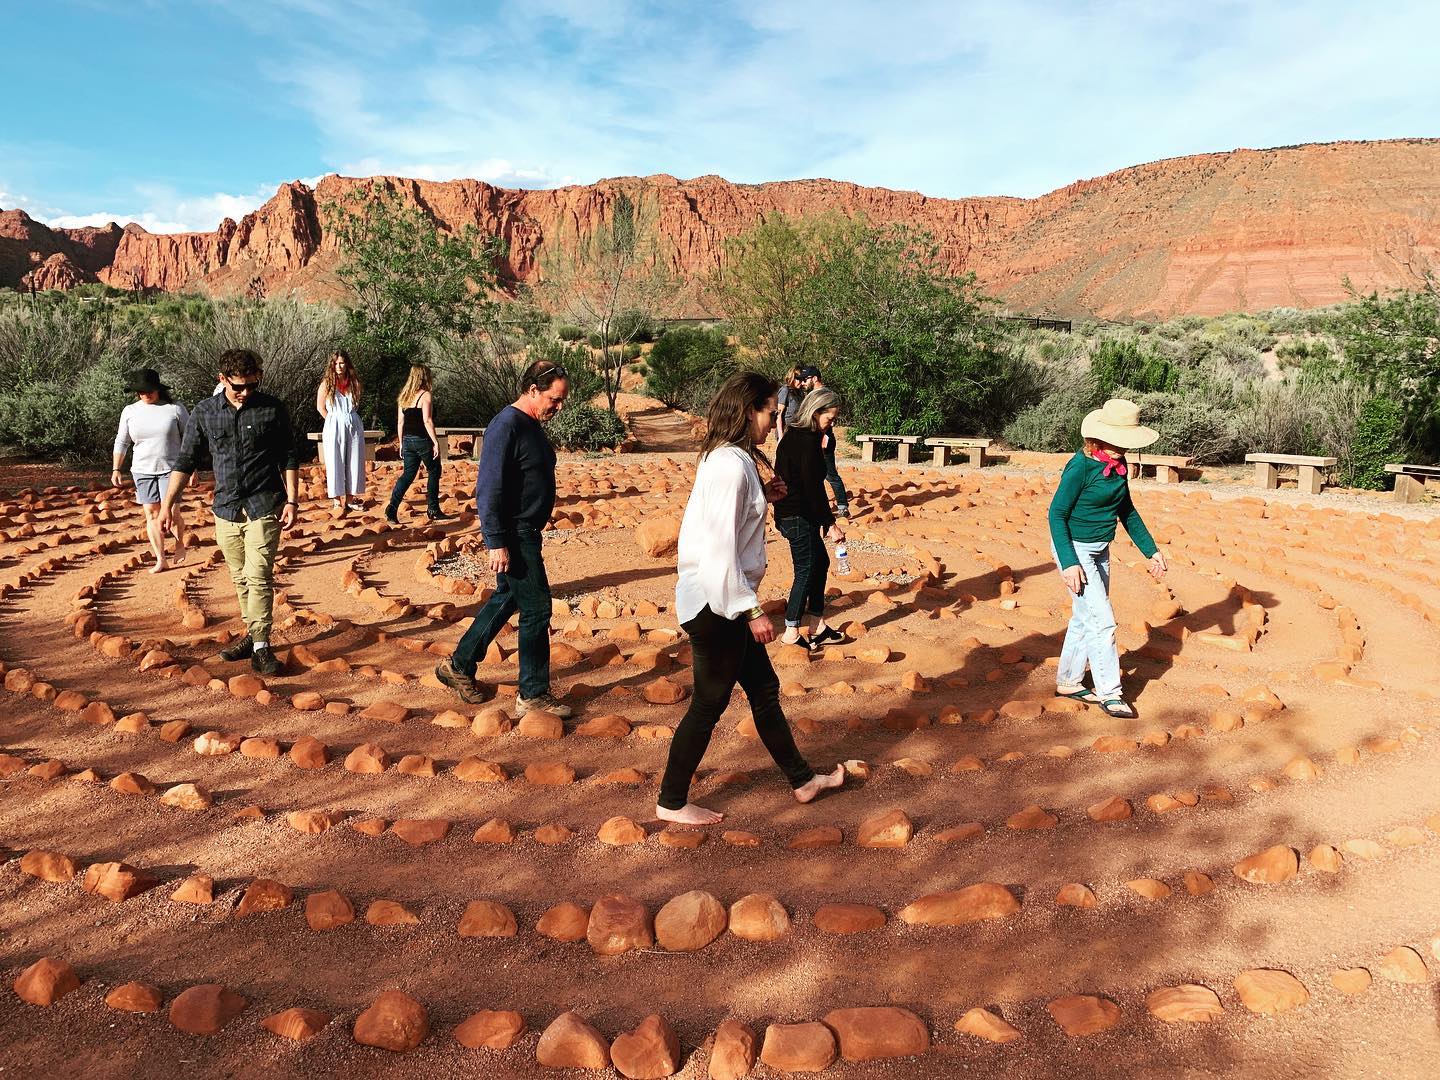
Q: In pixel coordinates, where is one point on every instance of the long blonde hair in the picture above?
(420, 381)
(354, 387)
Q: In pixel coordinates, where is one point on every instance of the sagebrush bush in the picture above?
(569, 333)
(1052, 424)
(585, 427)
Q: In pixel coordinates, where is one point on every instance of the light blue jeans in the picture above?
(1090, 637)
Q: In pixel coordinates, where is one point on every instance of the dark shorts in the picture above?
(149, 490)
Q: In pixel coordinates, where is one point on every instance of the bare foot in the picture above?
(178, 559)
(818, 783)
(689, 814)
(159, 567)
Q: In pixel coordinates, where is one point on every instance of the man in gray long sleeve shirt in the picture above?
(514, 494)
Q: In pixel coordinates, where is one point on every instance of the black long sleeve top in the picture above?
(800, 462)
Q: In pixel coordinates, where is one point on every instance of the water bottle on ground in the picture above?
(842, 558)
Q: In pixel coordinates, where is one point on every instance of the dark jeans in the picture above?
(416, 450)
(832, 476)
(724, 652)
(812, 565)
(524, 587)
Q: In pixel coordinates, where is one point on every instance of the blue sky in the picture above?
(176, 114)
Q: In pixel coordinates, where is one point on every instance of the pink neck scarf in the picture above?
(1111, 463)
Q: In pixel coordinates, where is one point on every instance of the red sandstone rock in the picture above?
(367, 758)
(1032, 817)
(662, 691)
(299, 1025)
(974, 903)
(264, 894)
(983, 1024)
(48, 865)
(848, 918)
(1270, 866)
(564, 922)
(1268, 991)
(1403, 965)
(818, 837)
(116, 881)
(487, 918)
(554, 833)
(872, 1034)
(197, 889)
(658, 537)
(733, 1052)
(620, 831)
(689, 921)
(490, 1030)
(472, 770)
(1075, 895)
(649, 1052)
(1187, 1003)
(1351, 981)
(46, 981)
(328, 910)
(205, 1009)
(617, 924)
(135, 997)
(885, 829)
(1083, 1014)
(798, 1047)
(570, 1043)
(759, 917)
(389, 913)
(395, 1022)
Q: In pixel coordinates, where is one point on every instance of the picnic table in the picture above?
(1411, 481)
(443, 435)
(973, 449)
(1167, 466)
(1267, 473)
(372, 440)
(905, 446)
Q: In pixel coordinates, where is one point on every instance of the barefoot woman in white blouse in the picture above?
(722, 560)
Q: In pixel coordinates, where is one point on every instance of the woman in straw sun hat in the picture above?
(1094, 494)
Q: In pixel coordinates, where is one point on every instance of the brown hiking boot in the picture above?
(468, 690)
(544, 703)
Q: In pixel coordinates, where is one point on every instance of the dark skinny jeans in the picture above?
(524, 588)
(417, 450)
(725, 652)
(812, 566)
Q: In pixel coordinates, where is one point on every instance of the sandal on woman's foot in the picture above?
(1085, 694)
(1119, 708)
(828, 636)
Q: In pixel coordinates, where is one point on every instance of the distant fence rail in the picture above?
(1037, 323)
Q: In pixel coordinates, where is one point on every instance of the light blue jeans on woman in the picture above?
(1090, 637)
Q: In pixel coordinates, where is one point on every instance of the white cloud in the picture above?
(159, 209)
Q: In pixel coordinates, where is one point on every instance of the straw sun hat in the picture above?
(1118, 423)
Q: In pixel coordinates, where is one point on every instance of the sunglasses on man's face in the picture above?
(238, 388)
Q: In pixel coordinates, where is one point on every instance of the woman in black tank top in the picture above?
(419, 445)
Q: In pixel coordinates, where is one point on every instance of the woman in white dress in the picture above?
(342, 443)
(153, 425)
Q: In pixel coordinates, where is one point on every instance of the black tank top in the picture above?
(414, 422)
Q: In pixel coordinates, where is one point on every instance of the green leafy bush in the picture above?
(632, 351)
(584, 427)
(1052, 424)
(569, 333)
(633, 327)
(687, 365)
(1122, 363)
(1379, 439)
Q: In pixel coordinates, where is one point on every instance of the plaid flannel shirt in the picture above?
(250, 446)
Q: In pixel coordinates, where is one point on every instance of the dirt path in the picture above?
(657, 427)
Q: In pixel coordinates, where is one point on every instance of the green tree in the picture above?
(1392, 345)
(687, 366)
(613, 282)
(411, 282)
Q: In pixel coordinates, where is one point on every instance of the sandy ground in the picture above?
(1304, 566)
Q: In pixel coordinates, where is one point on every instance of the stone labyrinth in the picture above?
(204, 873)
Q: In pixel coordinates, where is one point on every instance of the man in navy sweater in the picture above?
(514, 494)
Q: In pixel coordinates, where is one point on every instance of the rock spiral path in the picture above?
(302, 873)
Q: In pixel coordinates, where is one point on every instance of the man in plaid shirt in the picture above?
(257, 474)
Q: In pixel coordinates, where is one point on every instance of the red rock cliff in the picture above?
(1238, 231)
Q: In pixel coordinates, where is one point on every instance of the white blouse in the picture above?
(722, 538)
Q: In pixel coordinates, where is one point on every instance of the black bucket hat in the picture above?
(145, 381)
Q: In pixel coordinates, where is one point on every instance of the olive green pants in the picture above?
(249, 548)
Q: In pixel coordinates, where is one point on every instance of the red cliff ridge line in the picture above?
(1240, 231)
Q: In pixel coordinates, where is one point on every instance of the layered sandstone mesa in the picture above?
(1243, 230)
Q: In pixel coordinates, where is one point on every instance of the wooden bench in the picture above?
(372, 440)
(905, 447)
(1412, 480)
(1267, 475)
(1167, 466)
(973, 449)
(444, 433)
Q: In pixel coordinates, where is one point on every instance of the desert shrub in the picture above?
(1304, 352)
(632, 351)
(585, 427)
(1052, 424)
(1191, 426)
(687, 366)
(633, 327)
(1122, 363)
(569, 333)
(1378, 439)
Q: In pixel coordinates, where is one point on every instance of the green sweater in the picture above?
(1086, 506)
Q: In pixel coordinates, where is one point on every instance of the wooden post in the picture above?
(975, 456)
(1408, 489)
(1310, 480)
(443, 440)
(903, 452)
(1266, 475)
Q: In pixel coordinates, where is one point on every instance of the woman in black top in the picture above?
(803, 514)
(418, 443)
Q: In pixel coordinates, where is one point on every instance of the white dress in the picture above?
(343, 446)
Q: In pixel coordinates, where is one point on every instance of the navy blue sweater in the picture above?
(515, 487)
